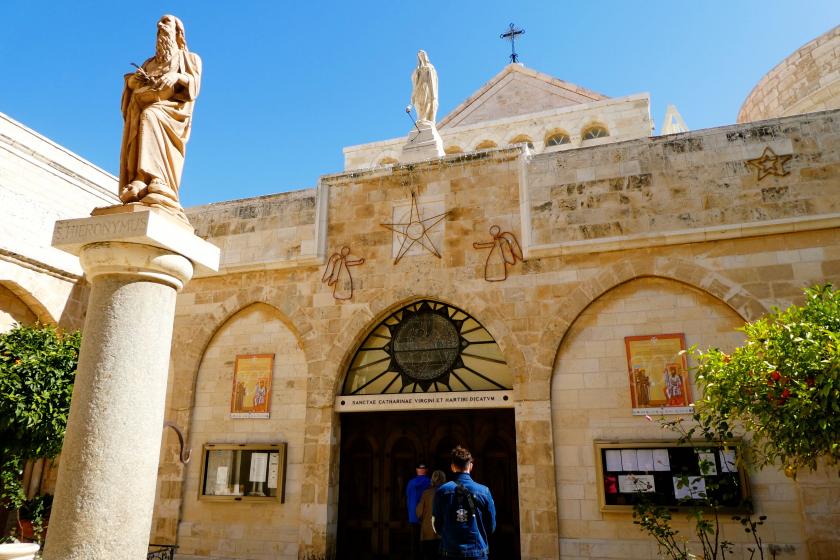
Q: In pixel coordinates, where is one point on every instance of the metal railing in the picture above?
(161, 552)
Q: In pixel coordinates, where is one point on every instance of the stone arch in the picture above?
(192, 334)
(210, 324)
(354, 334)
(485, 145)
(730, 293)
(386, 157)
(557, 137)
(594, 127)
(28, 299)
(590, 389)
(521, 139)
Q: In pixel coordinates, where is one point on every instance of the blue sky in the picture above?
(286, 85)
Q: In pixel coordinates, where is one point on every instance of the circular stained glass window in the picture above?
(427, 346)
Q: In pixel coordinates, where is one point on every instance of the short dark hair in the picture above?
(461, 457)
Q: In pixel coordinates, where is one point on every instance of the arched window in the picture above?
(387, 161)
(557, 138)
(427, 346)
(523, 139)
(485, 145)
(594, 131)
(453, 150)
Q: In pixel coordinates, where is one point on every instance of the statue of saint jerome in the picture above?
(157, 106)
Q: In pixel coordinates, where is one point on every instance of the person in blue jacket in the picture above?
(463, 511)
(413, 491)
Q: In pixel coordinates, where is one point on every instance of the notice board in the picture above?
(657, 472)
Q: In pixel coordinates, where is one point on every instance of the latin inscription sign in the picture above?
(103, 228)
(424, 401)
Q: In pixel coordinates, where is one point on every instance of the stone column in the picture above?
(136, 261)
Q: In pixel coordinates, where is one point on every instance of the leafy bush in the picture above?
(37, 369)
(783, 385)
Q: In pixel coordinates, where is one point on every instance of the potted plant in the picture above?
(33, 518)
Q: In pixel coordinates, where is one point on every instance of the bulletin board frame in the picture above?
(267, 448)
(683, 459)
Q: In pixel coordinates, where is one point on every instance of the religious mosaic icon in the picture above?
(428, 347)
(769, 164)
(337, 273)
(414, 231)
(504, 251)
(251, 394)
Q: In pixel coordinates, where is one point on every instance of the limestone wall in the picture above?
(624, 117)
(779, 236)
(275, 231)
(684, 188)
(591, 401)
(806, 81)
(41, 182)
(241, 529)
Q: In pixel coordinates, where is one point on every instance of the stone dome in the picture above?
(806, 81)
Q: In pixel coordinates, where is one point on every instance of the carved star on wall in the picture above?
(415, 230)
(769, 164)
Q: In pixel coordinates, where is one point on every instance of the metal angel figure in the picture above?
(337, 274)
(504, 251)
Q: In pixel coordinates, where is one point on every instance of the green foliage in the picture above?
(783, 385)
(37, 510)
(37, 369)
(704, 511)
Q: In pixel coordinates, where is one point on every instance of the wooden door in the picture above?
(378, 455)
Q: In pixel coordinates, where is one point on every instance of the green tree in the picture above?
(37, 369)
(782, 385)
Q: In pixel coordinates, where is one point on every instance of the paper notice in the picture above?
(660, 460)
(728, 460)
(695, 489)
(632, 483)
(645, 458)
(706, 462)
(259, 462)
(273, 469)
(221, 481)
(613, 459)
(629, 460)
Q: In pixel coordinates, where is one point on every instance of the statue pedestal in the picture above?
(422, 145)
(136, 261)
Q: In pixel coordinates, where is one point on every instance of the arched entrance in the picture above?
(419, 385)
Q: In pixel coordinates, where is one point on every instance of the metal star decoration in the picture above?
(415, 230)
(769, 164)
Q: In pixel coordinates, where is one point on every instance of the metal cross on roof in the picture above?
(511, 36)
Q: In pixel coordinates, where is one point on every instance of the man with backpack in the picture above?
(463, 512)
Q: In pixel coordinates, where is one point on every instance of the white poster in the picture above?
(645, 458)
(696, 488)
(221, 480)
(273, 469)
(613, 460)
(661, 462)
(632, 483)
(259, 461)
(706, 462)
(629, 460)
(728, 461)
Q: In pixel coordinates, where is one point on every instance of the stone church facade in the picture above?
(622, 234)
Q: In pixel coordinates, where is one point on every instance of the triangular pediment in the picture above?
(515, 91)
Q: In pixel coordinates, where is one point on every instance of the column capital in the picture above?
(133, 259)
